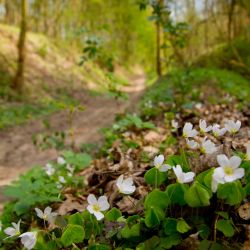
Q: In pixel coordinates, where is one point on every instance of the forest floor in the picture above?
(18, 153)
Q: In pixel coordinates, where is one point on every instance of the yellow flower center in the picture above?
(233, 131)
(17, 233)
(203, 150)
(179, 180)
(184, 135)
(96, 207)
(158, 166)
(215, 134)
(228, 171)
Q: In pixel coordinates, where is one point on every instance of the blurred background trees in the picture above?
(156, 34)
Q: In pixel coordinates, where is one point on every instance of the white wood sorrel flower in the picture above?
(228, 171)
(28, 239)
(192, 144)
(232, 126)
(96, 207)
(203, 126)
(49, 169)
(158, 163)
(174, 124)
(217, 131)
(183, 177)
(188, 130)
(207, 146)
(61, 160)
(47, 215)
(60, 182)
(14, 230)
(70, 169)
(125, 186)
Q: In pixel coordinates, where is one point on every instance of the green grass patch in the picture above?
(185, 87)
(15, 114)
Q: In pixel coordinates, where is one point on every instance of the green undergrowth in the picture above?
(232, 57)
(187, 87)
(17, 113)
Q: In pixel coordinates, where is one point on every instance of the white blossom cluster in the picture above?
(51, 171)
(29, 239)
(181, 176)
(229, 168)
(206, 146)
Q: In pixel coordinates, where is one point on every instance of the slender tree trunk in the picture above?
(206, 25)
(8, 12)
(230, 19)
(46, 28)
(158, 41)
(19, 78)
(158, 49)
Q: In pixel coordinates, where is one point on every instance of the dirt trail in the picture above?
(17, 152)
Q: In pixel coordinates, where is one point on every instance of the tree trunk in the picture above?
(230, 19)
(158, 40)
(19, 78)
(8, 12)
(158, 49)
(206, 25)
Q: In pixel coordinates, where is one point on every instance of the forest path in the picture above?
(17, 152)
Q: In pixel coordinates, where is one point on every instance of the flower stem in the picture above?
(156, 178)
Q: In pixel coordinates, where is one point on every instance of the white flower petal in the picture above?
(128, 181)
(39, 213)
(129, 190)
(47, 210)
(178, 171)
(119, 180)
(187, 126)
(223, 160)
(99, 215)
(10, 231)
(239, 173)
(61, 160)
(238, 124)
(28, 239)
(188, 177)
(192, 144)
(91, 199)
(90, 209)
(103, 203)
(209, 128)
(230, 178)
(235, 161)
(203, 125)
(174, 124)
(165, 168)
(193, 133)
(219, 175)
(17, 226)
(158, 160)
